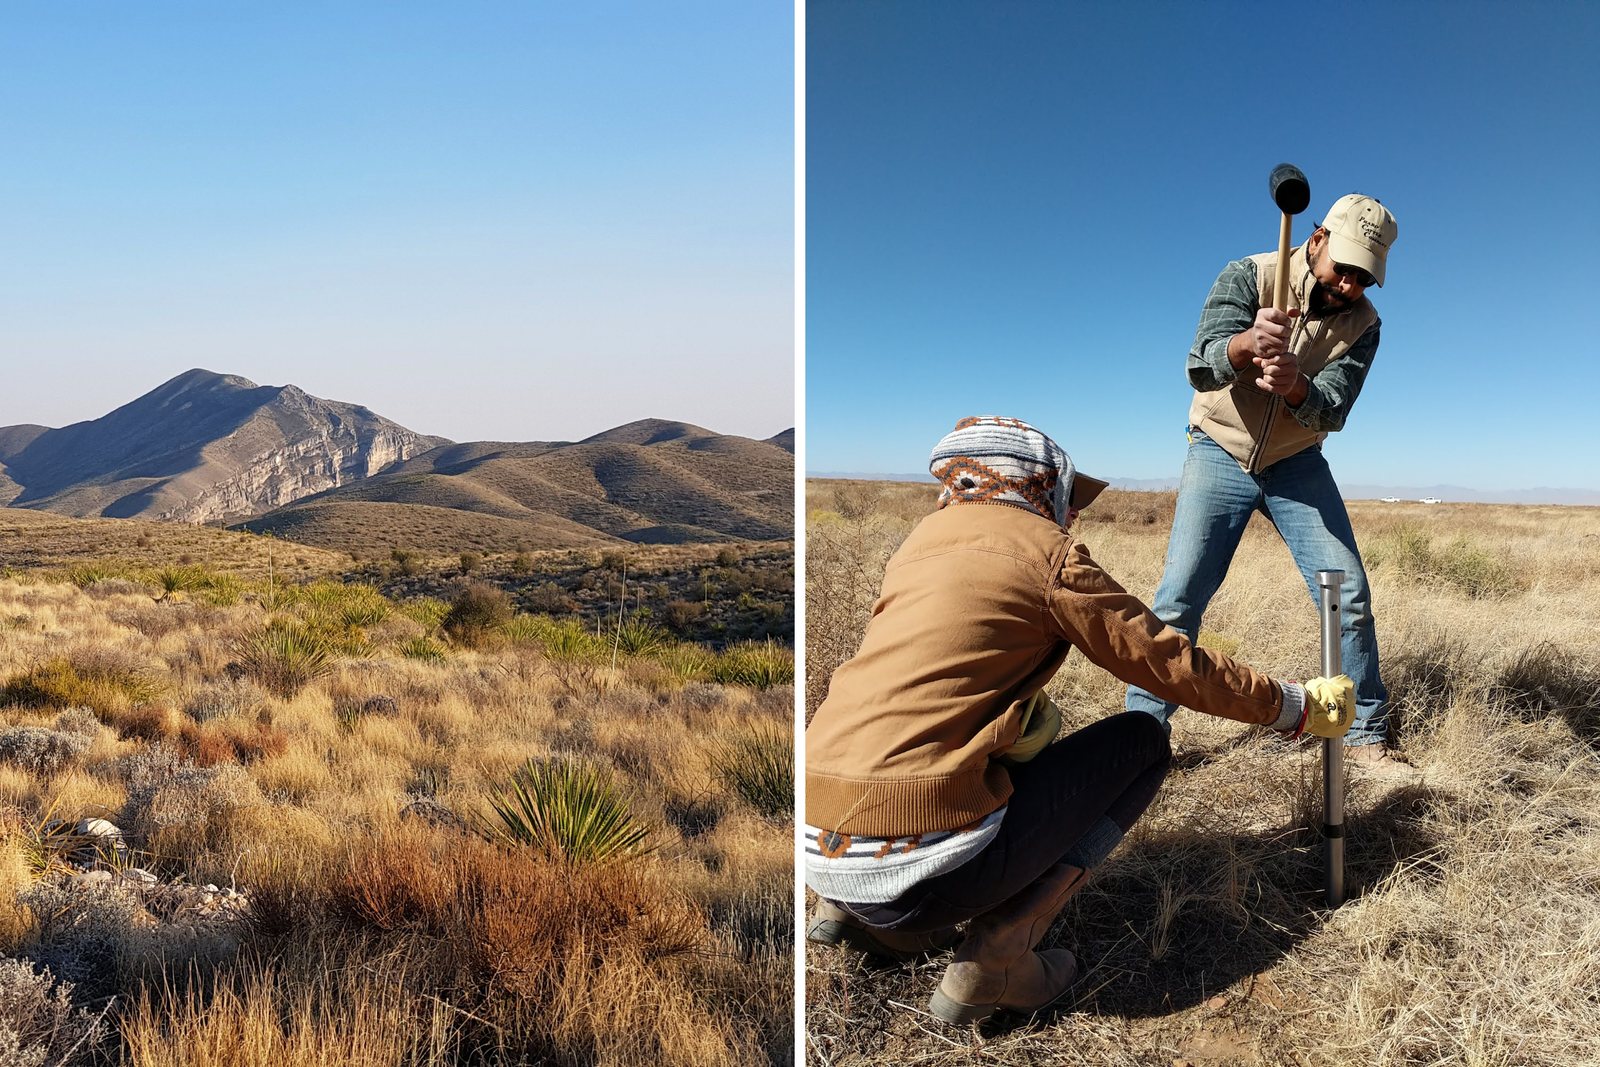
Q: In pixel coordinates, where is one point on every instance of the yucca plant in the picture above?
(639, 638)
(757, 666)
(686, 661)
(219, 590)
(177, 580)
(568, 809)
(569, 641)
(284, 657)
(422, 648)
(758, 766)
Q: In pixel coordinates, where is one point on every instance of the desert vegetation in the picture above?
(264, 813)
(1471, 933)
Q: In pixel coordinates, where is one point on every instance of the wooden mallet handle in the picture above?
(1280, 288)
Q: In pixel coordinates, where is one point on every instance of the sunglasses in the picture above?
(1361, 277)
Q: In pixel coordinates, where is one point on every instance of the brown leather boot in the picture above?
(996, 968)
(832, 925)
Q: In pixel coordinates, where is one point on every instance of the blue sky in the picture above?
(1017, 208)
(484, 220)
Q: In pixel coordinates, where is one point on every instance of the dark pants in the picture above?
(1073, 801)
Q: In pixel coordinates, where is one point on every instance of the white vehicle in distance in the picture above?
(1388, 500)
(1430, 500)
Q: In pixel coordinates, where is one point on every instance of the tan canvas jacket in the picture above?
(1258, 428)
(979, 608)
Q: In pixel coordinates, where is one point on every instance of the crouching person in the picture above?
(936, 791)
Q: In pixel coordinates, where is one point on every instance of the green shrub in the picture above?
(759, 666)
(101, 683)
(410, 561)
(549, 598)
(758, 767)
(1409, 551)
(568, 809)
(471, 561)
(284, 657)
(478, 612)
(425, 610)
(522, 563)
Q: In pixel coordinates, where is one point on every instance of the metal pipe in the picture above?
(1329, 583)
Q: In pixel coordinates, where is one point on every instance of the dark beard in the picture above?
(1325, 301)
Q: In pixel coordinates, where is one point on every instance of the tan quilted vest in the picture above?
(1255, 427)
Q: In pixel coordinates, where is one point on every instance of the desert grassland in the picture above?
(329, 761)
(1471, 932)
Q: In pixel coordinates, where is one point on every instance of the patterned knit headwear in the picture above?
(990, 458)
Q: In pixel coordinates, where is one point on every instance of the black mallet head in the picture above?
(1290, 190)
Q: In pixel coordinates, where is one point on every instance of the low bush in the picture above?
(42, 751)
(1410, 552)
(38, 1025)
(102, 681)
(479, 613)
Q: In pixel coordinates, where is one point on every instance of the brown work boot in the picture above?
(832, 925)
(1378, 759)
(996, 967)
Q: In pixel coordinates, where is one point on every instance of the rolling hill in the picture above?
(647, 482)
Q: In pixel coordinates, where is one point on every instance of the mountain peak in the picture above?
(201, 380)
(648, 432)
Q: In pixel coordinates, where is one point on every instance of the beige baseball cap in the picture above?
(1360, 231)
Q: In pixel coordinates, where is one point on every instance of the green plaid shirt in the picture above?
(1231, 308)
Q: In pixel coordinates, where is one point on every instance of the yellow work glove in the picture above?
(1041, 721)
(1330, 706)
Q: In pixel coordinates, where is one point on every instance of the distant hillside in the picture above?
(200, 448)
(648, 482)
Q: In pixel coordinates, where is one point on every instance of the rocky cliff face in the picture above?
(203, 447)
(299, 469)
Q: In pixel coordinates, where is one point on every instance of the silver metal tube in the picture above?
(1328, 582)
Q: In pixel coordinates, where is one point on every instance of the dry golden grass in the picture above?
(1471, 933)
(373, 936)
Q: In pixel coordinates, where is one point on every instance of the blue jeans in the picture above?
(1298, 495)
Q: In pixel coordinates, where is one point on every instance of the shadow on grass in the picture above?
(1547, 680)
(1171, 920)
(1175, 918)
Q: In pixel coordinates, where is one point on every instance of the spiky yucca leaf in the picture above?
(569, 810)
(758, 766)
(285, 657)
(757, 666)
(638, 638)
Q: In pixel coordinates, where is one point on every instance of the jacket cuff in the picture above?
(1294, 707)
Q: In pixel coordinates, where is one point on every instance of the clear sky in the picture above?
(1017, 208)
(508, 221)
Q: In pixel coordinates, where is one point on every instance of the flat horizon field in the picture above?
(1471, 930)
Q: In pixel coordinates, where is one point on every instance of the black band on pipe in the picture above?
(1332, 829)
